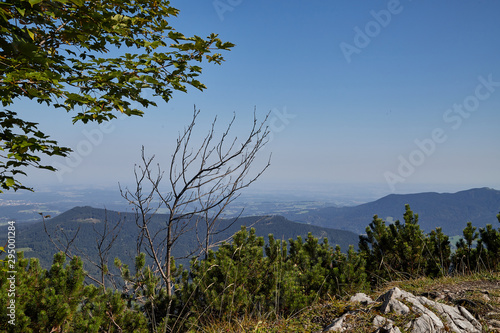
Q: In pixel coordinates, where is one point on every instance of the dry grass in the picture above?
(479, 293)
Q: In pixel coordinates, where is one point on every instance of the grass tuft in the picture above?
(479, 293)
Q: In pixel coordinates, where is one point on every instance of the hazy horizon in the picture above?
(334, 193)
(386, 97)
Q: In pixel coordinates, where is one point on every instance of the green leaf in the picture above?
(9, 182)
(34, 2)
(21, 11)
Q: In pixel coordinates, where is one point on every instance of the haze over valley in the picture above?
(351, 212)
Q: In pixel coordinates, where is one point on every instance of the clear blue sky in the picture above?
(353, 86)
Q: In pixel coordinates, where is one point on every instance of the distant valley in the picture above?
(450, 211)
(24, 206)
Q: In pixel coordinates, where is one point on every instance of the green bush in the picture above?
(58, 300)
(243, 278)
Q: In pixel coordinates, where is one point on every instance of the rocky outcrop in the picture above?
(417, 313)
(361, 298)
(384, 325)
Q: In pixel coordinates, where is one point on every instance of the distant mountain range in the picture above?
(341, 225)
(450, 211)
(90, 220)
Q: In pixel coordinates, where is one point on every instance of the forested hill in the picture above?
(450, 211)
(91, 220)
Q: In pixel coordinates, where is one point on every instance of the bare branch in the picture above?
(202, 181)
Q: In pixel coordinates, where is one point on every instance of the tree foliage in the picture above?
(96, 58)
(245, 277)
(57, 300)
(240, 279)
(478, 251)
(439, 252)
(403, 250)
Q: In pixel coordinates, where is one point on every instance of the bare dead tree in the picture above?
(199, 185)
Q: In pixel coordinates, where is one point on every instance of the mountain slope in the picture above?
(91, 220)
(450, 211)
